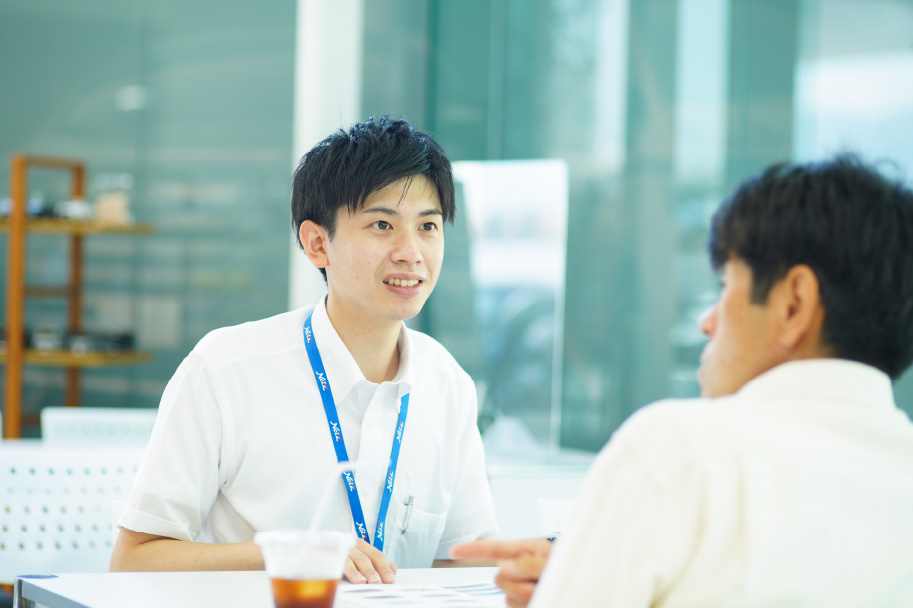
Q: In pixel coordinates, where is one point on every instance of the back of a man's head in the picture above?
(349, 165)
(853, 227)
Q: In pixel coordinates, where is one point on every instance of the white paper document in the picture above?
(475, 595)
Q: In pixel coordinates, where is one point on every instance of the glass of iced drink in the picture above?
(304, 566)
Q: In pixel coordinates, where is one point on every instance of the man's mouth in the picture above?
(403, 282)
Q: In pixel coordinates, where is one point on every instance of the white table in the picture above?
(193, 589)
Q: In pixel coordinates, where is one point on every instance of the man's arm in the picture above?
(137, 551)
(627, 536)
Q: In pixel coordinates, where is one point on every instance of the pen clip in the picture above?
(408, 505)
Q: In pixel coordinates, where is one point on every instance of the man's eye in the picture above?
(429, 226)
(381, 225)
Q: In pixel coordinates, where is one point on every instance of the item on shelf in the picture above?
(48, 339)
(111, 342)
(73, 209)
(113, 208)
(81, 342)
(116, 341)
(76, 342)
(38, 206)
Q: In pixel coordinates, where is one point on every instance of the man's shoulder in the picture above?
(680, 433)
(693, 411)
(278, 334)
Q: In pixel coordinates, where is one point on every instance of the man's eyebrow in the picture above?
(396, 213)
(377, 209)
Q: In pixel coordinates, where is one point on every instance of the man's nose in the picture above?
(407, 249)
(707, 321)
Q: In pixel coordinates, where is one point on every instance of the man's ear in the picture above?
(314, 240)
(799, 309)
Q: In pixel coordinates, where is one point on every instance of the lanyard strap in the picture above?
(329, 406)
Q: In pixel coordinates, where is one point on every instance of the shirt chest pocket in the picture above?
(416, 547)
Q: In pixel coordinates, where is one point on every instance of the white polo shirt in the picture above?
(241, 442)
(795, 491)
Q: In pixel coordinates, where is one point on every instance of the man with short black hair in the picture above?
(257, 416)
(790, 482)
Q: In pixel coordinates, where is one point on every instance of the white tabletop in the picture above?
(198, 589)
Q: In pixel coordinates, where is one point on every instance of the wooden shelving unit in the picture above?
(15, 356)
(65, 358)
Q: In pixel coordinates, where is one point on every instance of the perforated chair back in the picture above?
(109, 425)
(56, 506)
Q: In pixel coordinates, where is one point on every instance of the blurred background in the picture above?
(592, 140)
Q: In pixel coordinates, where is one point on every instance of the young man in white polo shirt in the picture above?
(790, 483)
(257, 415)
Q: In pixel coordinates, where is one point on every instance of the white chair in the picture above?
(56, 506)
(553, 514)
(533, 500)
(94, 425)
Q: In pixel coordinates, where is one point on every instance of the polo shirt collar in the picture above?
(342, 370)
(837, 380)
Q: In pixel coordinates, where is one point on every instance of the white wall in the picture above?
(328, 51)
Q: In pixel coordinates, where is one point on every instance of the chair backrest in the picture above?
(56, 506)
(533, 500)
(108, 425)
(553, 513)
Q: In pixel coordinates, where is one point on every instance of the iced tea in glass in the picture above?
(304, 566)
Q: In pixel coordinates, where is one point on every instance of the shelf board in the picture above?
(63, 226)
(65, 358)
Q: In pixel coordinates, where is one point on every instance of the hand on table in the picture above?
(367, 564)
(521, 563)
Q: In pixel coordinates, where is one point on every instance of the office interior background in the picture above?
(570, 311)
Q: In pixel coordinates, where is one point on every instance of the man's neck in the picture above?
(374, 346)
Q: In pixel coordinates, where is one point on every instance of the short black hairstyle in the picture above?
(853, 227)
(349, 165)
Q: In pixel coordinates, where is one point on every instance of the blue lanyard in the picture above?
(329, 406)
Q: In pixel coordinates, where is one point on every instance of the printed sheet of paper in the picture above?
(476, 595)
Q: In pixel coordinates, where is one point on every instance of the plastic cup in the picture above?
(304, 566)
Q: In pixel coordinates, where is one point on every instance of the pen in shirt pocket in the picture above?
(408, 505)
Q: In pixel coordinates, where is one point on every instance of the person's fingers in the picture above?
(517, 593)
(383, 567)
(518, 578)
(523, 568)
(364, 565)
(373, 563)
(522, 599)
(352, 574)
(488, 549)
(538, 547)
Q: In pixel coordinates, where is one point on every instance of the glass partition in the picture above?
(187, 109)
(516, 213)
(658, 108)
